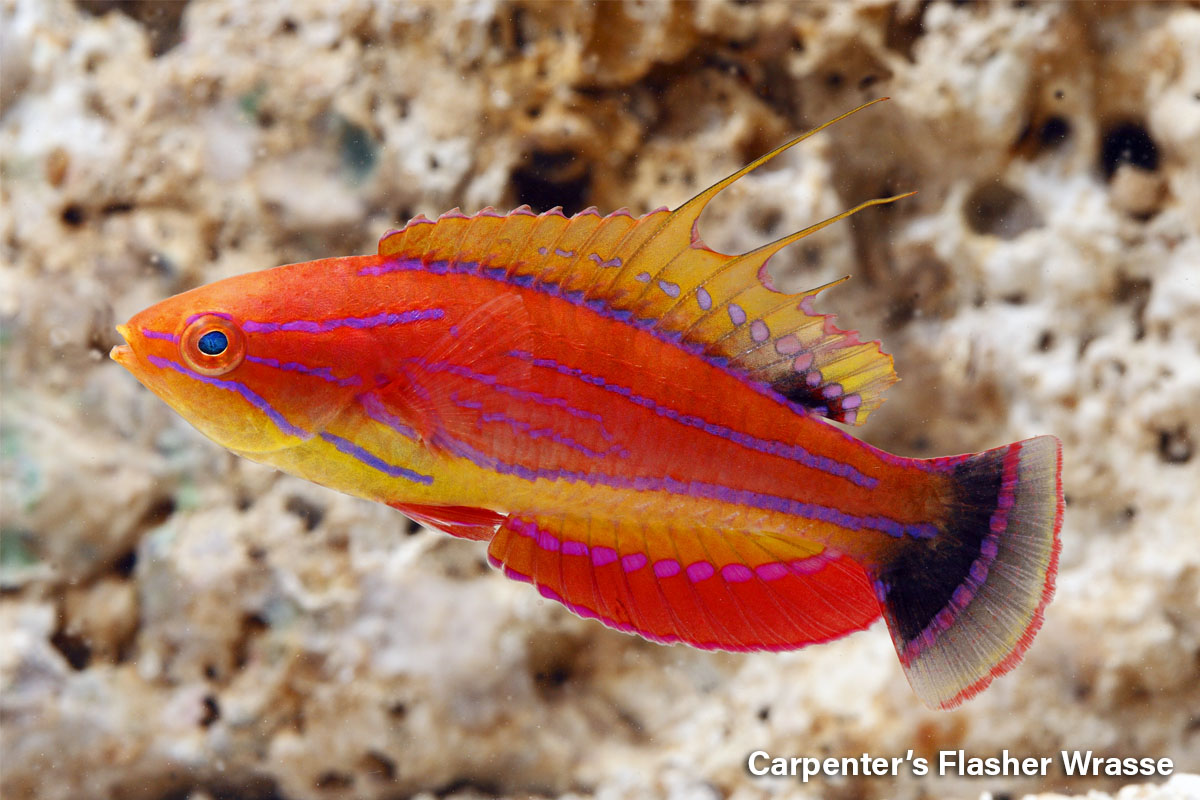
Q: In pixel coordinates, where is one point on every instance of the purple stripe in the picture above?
(547, 433)
(167, 337)
(246, 392)
(324, 373)
(574, 549)
(325, 325)
(701, 489)
(771, 447)
(376, 411)
(699, 571)
(496, 385)
(375, 462)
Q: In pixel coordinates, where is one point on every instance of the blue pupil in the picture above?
(213, 343)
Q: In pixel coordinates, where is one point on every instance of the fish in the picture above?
(639, 426)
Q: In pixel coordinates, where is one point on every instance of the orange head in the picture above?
(258, 362)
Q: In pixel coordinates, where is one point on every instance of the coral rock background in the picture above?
(177, 622)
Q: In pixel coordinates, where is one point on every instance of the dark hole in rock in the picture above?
(125, 564)
(397, 710)
(288, 25)
(553, 178)
(252, 626)
(1054, 131)
(1127, 143)
(904, 27)
(1045, 341)
(74, 649)
(309, 512)
(159, 512)
(1136, 292)
(997, 210)
(1175, 446)
(379, 767)
(212, 711)
(74, 215)
(332, 779)
(764, 713)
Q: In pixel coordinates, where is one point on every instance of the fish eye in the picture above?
(212, 345)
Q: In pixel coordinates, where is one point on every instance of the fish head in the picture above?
(238, 361)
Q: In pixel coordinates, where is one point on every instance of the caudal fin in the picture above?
(964, 606)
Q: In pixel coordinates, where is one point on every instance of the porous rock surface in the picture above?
(177, 622)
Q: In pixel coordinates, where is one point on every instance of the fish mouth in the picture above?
(122, 353)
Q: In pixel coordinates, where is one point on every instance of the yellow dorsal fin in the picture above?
(656, 269)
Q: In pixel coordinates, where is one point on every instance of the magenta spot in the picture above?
(736, 315)
(548, 593)
(990, 547)
(495, 562)
(961, 597)
(850, 417)
(736, 573)
(703, 298)
(633, 562)
(814, 378)
(574, 549)
(788, 345)
(772, 571)
(564, 253)
(699, 571)
(509, 572)
(979, 573)
(603, 555)
(643, 277)
(542, 251)
(802, 362)
(807, 566)
(546, 541)
(851, 401)
(669, 289)
(583, 611)
(666, 568)
(831, 391)
(759, 331)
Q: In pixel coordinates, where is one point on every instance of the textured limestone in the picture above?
(177, 622)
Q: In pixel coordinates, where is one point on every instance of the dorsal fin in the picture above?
(657, 269)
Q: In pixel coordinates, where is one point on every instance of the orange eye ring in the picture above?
(212, 345)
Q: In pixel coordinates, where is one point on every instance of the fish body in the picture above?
(636, 424)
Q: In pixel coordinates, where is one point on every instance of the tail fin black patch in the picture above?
(964, 606)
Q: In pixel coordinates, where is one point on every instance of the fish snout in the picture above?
(122, 353)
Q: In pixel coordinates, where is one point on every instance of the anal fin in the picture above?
(706, 588)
